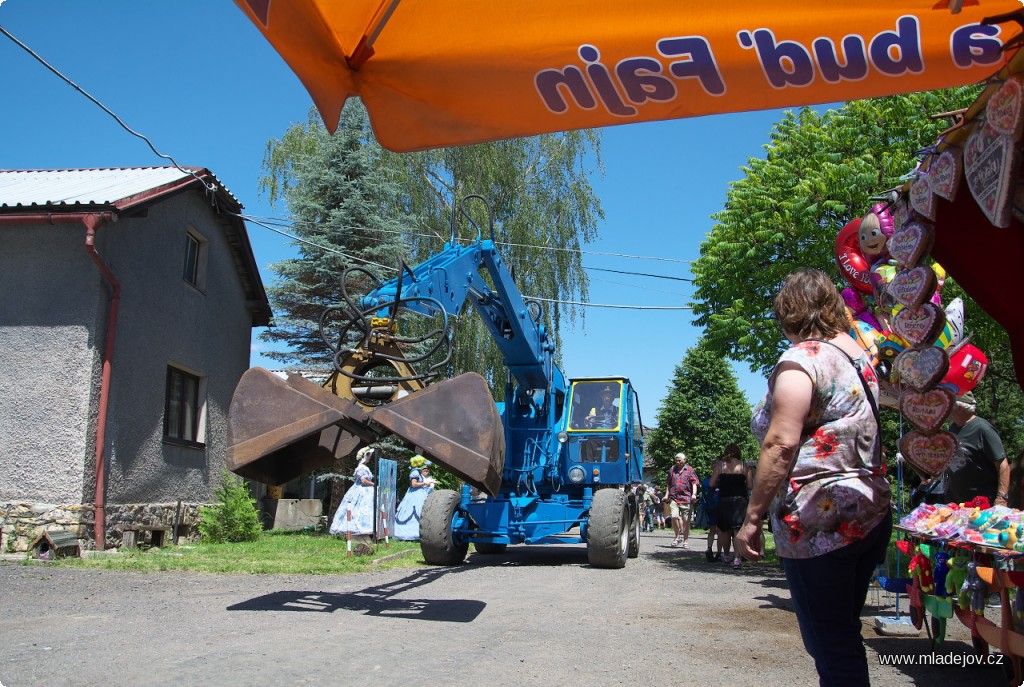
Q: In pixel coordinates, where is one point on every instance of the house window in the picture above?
(195, 259)
(184, 416)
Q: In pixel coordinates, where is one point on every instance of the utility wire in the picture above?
(210, 187)
(249, 218)
(278, 220)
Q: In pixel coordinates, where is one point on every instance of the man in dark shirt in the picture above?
(979, 466)
(607, 415)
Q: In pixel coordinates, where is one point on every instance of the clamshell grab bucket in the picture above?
(280, 429)
(456, 424)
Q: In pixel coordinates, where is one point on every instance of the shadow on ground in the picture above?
(378, 600)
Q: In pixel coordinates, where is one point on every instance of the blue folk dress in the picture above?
(407, 518)
(359, 498)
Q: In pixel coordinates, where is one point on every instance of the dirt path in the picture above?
(532, 616)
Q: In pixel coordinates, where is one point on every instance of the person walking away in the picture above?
(410, 510)
(359, 499)
(979, 466)
(820, 476)
(708, 513)
(732, 479)
(682, 491)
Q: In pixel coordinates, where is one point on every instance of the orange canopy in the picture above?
(449, 72)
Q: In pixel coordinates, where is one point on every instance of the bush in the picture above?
(234, 518)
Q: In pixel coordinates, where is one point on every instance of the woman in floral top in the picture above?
(820, 476)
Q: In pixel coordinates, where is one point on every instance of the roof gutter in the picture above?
(92, 222)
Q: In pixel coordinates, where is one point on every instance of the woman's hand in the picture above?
(750, 540)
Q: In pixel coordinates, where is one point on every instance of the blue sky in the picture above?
(198, 79)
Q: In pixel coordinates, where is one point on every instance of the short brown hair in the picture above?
(809, 305)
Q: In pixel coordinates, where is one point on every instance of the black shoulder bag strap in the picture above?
(867, 392)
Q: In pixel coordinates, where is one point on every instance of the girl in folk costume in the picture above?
(358, 499)
(407, 518)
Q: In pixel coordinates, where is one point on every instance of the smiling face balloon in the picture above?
(875, 229)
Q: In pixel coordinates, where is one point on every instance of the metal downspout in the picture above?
(92, 223)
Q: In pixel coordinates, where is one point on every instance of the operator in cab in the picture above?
(605, 416)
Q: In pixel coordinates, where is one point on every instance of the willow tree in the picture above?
(544, 211)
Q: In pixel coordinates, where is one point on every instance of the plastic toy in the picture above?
(957, 575)
(921, 568)
(941, 572)
(978, 589)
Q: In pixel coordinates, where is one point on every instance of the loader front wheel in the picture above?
(634, 529)
(438, 541)
(608, 530)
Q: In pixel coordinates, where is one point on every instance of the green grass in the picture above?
(275, 552)
(770, 556)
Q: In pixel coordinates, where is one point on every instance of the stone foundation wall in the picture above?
(21, 522)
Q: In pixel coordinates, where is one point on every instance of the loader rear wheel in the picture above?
(489, 549)
(438, 542)
(634, 529)
(608, 530)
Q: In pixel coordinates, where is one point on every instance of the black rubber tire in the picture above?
(633, 550)
(489, 549)
(608, 530)
(437, 541)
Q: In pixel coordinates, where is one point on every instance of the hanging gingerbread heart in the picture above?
(945, 171)
(921, 369)
(1003, 110)
(990, 165)
(911, 243)
(900, 212)
(927, 410)
(921, 197)
(928, 455)
(919, 326)
(914, 286)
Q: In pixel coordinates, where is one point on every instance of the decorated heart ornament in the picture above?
(921, 369)
(914, 286)
(921, 197)
(945, 171)
(900, 212)
(927, 410)
(990, 165)
(928, 455)
(919, 326)
(1003, 110)
(911, 243)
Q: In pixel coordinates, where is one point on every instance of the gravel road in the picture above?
(532, 616)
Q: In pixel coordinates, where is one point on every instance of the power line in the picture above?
(277, 220)
(249, 218)
(208, 186)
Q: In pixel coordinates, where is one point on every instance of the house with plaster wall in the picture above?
(129, 298)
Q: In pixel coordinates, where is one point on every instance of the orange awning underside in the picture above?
(451, 72)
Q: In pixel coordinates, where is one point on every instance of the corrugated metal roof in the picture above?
(35, 188)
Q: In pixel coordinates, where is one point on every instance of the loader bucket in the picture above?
(281, 429)
(455, 423)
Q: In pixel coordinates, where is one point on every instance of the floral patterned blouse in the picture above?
(836, 492)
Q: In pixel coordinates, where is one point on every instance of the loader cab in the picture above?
(602, 434)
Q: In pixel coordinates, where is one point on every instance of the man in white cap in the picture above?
(979, 466)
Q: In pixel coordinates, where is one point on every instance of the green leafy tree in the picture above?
(345, 211)
(704, 410)
(234, 517)
(820, 171)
